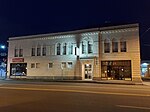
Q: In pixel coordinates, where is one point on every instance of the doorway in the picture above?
(88, 71)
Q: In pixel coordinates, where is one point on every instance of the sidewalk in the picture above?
(119, 82)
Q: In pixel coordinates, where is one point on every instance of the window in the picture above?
(83, 47)
(37, 65)
(75, 50)
(70, 64)
(114, 45)
(32, 65)
(87, 45)
(106, 46)
(90, 47)
(20, 52)
(70, 49)
(64, 48)
(33, 52)
(58, 48)
(50, 65)
(63, 65)
(38, 51)
(123, 46)
(16, 52)
(44, 51)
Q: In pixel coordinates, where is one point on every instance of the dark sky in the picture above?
(26, 17)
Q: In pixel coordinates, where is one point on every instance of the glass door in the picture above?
(88, 71)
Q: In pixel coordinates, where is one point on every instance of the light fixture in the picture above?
(2, 46)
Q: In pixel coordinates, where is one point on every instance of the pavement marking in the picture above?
(133, 107)
(75, 91)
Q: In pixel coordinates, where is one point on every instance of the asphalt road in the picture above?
(73, 97)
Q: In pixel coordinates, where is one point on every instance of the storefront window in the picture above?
(117, 70)
(18, 69)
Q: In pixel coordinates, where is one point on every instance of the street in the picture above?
(21, 96)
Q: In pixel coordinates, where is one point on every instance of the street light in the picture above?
(2, 46)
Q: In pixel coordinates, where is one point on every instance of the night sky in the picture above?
(28, 17)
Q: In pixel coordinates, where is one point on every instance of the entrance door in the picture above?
(88, 71)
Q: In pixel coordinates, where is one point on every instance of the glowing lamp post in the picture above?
(2, 46)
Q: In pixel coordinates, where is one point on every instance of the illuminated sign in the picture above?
(18, 60)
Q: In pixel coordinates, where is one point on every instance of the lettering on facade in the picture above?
(18, 60)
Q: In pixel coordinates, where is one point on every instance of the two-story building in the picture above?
(111, 53)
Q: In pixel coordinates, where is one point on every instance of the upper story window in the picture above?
(70, 48)
(84, 46)
(123, 45)
(20, 52)
(58, 48)
(106, 46)
(114, 45)
(90, 47)
(38, 50)
(16, 53)
(44, 50)
(87, 45)
(33, 51)
(64, 48)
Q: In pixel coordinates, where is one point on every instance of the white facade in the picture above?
(78, 54)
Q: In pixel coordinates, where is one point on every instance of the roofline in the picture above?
(76, 31)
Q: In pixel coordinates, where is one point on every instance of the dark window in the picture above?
(123, 46)
(16, 53)
(64, 49)
(83, 47)
(44, 51)
(38, 51)
(50, 65)
(114, 46)
(106, 47)
(20, 52)
(71, 49)
(58, 48)
(90, 47)
(33, 52)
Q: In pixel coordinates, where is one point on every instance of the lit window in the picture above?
(114, 46)
(32, 65)
(37, 65)
(64, 48)
(16, 52)
(123, 46)
(63, 65)
(58, 48)
(70, 64)
(38, 51)
(44, 51)
(50, 65)
(33, 52)
(106, 46)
